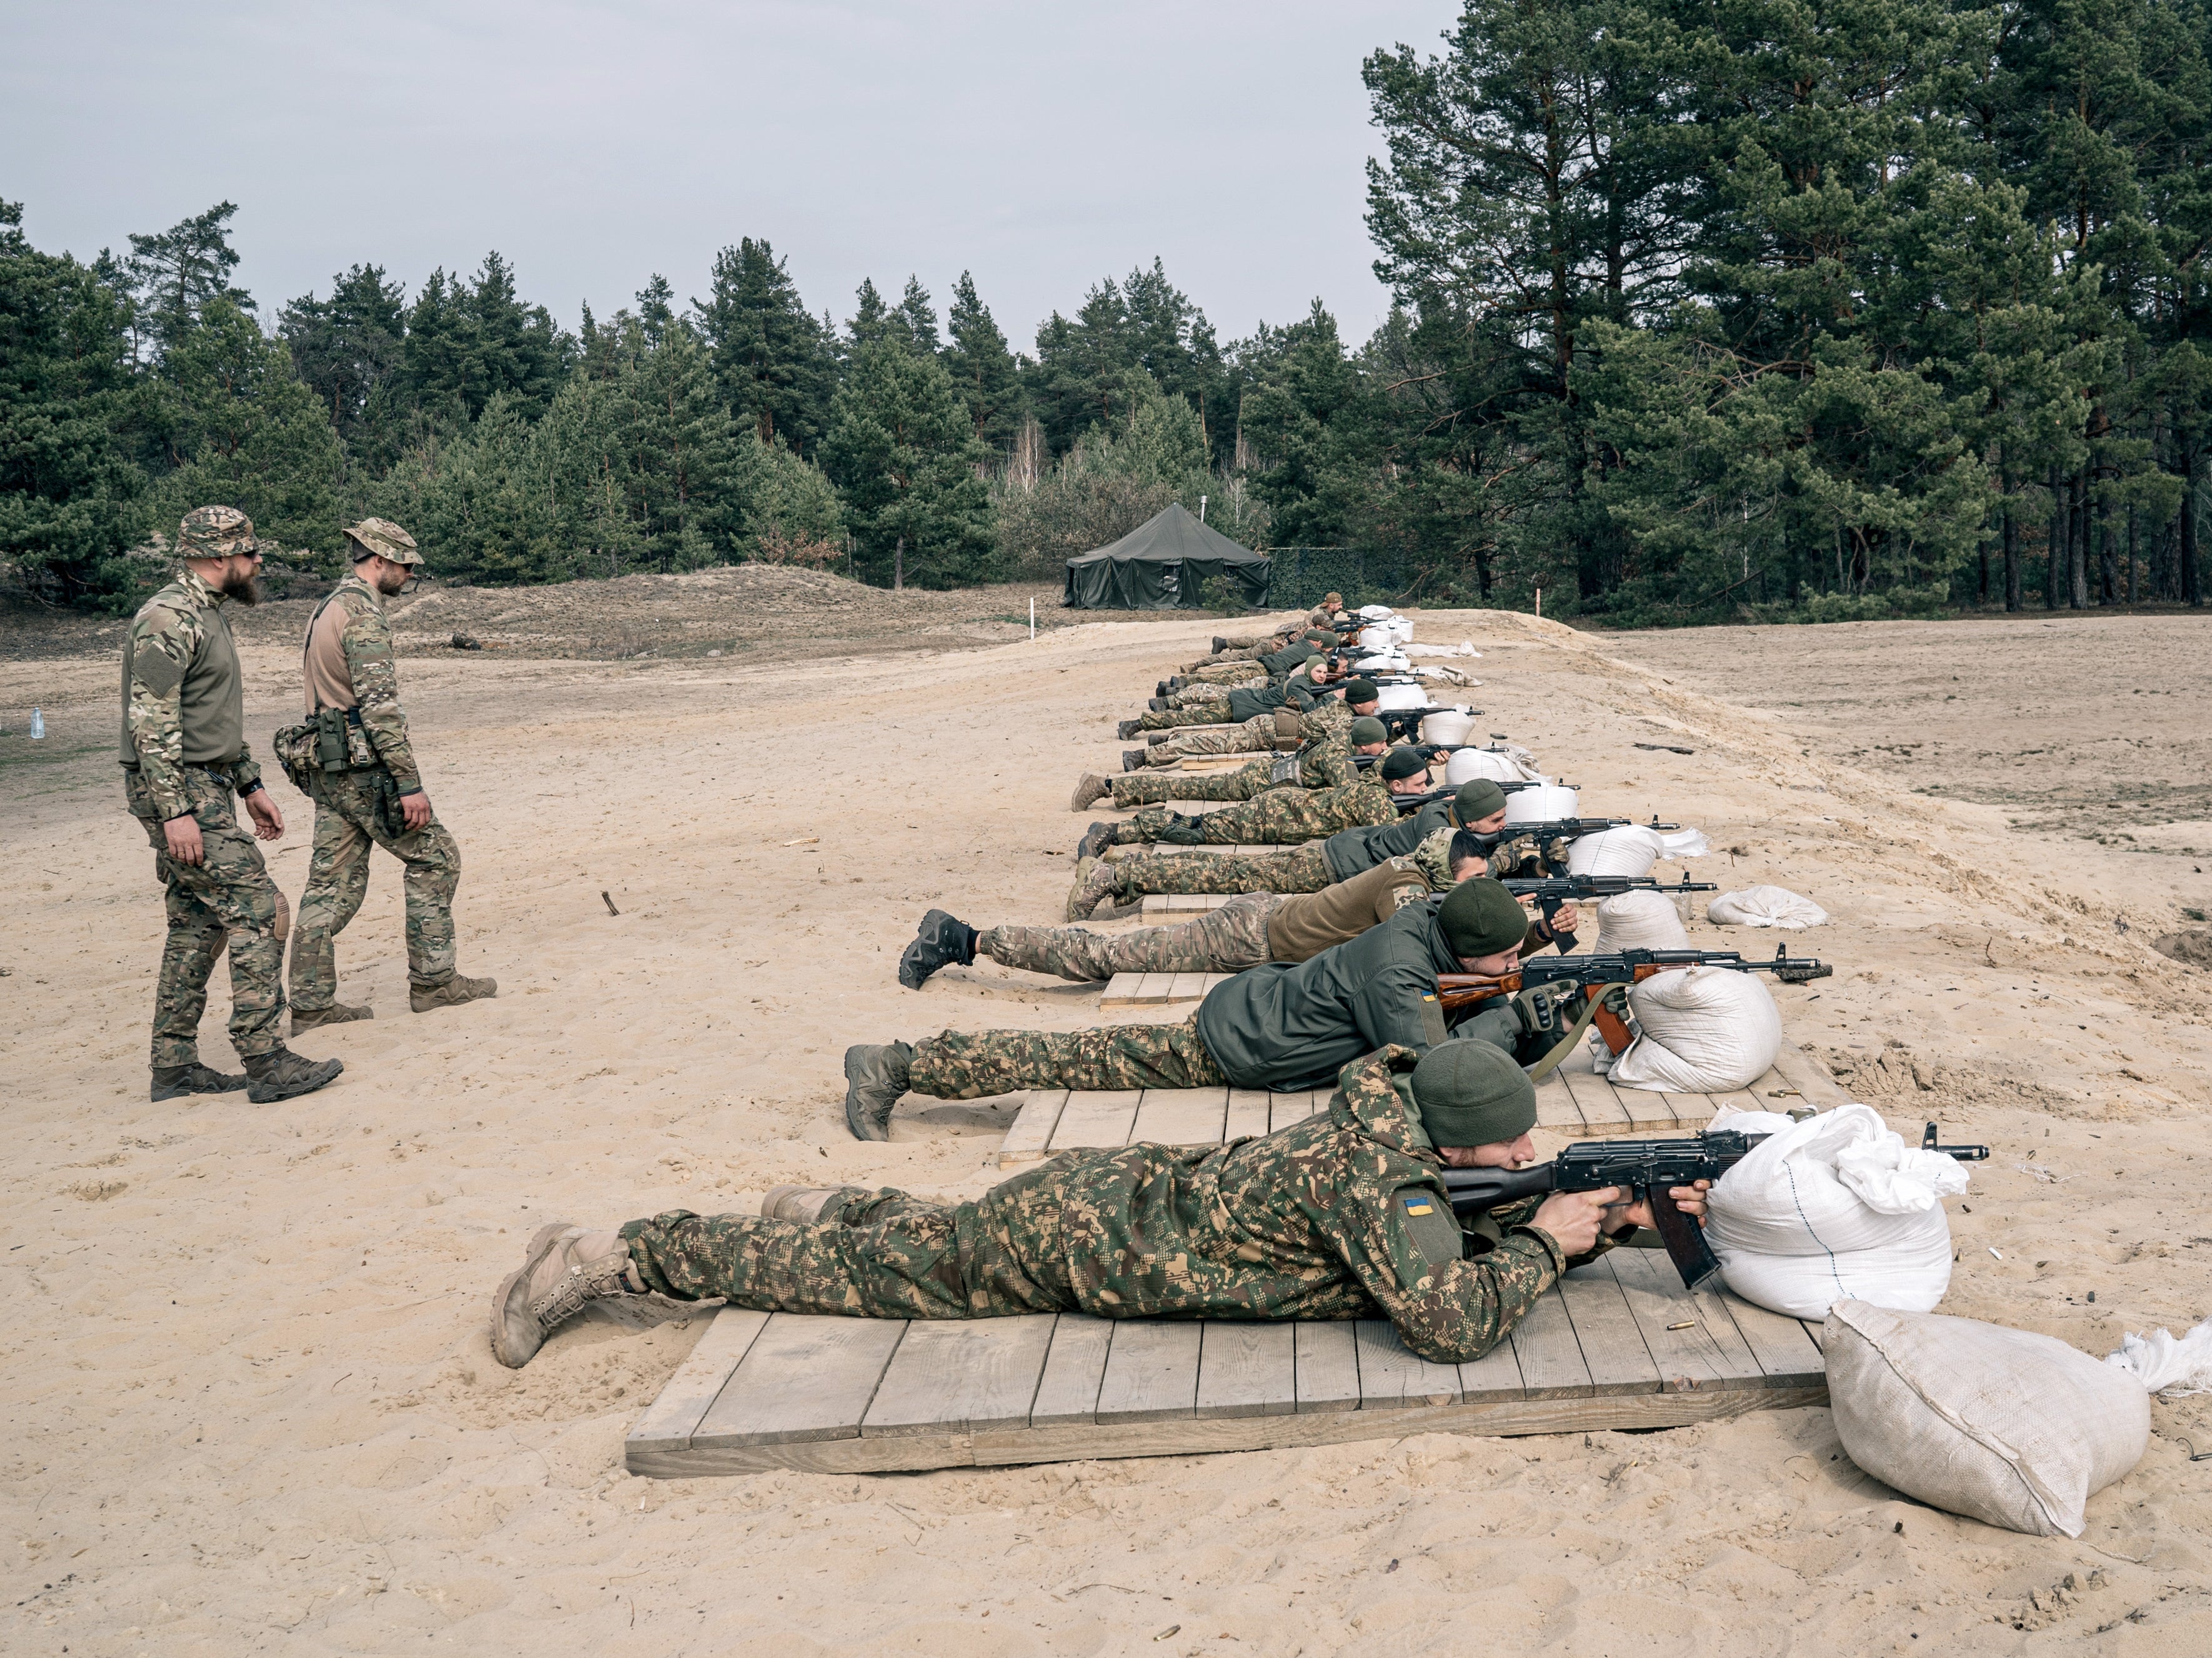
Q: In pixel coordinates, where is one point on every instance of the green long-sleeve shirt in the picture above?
(184, 700)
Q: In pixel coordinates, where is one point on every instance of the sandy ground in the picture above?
(250, 1401)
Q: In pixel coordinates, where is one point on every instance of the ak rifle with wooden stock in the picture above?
(1548, 984)
(1648, 1170)
(1551, 891)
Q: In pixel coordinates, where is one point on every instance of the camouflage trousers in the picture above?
(1281, 816)
(1261, 734)
(973, 1065)
(355, 811)
(1138, 789)
(1211, 695)
(1223, 674)
(1224, 940)
(227, 900)
(1295, 869)
(877, 1254)
(1205, 713)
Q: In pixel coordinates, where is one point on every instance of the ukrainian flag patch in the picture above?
(1417, 1203)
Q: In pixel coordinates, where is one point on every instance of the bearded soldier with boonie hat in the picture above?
(184, 764)
(359, 766)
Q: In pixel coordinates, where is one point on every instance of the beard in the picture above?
(243, 585)
(392, 581)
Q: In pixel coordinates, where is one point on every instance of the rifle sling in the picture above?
(1550, 1062)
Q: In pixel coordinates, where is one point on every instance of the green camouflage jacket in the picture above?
(1342, 1216)
(368, 654)
(183, 699)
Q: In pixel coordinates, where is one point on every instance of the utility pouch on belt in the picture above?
(1285, 770)
(294, 747)
(1290, 729)
(332, 753)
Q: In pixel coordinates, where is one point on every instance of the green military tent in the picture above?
(1158, 566)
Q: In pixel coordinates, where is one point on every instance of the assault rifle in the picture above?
(1550, 893)
(1414, 802)
(1546, 984)
(1648, 1170)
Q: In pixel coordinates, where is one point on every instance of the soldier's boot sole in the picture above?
(307, 1018)
(1095, 840)
(183, 1079)
(451, 994)
(875, 1081)
(942, 940)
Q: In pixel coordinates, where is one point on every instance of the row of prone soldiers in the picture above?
(1336, 943)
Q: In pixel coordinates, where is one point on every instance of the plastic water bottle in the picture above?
(38, 725)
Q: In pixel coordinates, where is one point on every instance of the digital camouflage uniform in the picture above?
(360, 808)
(1224, 940)
(1224, 674)
(974, 1064)
(1273, 731)
(1281, 816)
(1324, 762)
(1295, 869)
(1342, 1216)
(183, 751)
(1209, 692)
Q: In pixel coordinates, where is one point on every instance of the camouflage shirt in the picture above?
(184, 701)
(363, 639)
(1342, 1216)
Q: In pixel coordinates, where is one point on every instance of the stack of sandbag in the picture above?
(1507, 765)
(1640, 920)
(1629, 850)
(1835, 1208)
(2006, 1426)
(1764, 906)
(1699, 1031)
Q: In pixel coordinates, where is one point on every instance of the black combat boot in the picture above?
(1095, 840)
(1127, 729)
(173, 1082)
(280, 1074)
(942, 940)
(1134, 759)
(875, 1080)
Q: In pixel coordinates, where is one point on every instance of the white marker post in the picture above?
(1033, 622)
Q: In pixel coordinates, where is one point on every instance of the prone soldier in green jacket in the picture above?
(1343, 1216)
(375, 798)
(185, 758)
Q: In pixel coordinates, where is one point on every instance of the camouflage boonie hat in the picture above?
(387, 539)
(215, 532)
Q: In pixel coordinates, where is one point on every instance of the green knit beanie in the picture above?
(1368, 729)
(1402, 763)
(1477, 800)
(1361, 690)
(1471, 1093)
(1480, 918)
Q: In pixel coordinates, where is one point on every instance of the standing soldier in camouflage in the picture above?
(184, 758)
(1345, 1215)
(376, 799)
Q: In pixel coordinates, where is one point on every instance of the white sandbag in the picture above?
(1465, 647)
(1630, 850)
(1506, 765)
(1640, 920)
(2005, 1426)
(1546, 803)
(1763, 906)
(1401, 696)
(1834, 1208)
(2164, 1363)
(1450, 726)
(1704, 1030)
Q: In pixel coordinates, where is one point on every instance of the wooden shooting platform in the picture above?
(1170, 907)
(1165, 847)
(1573, 1102)
(1618, 1344)
(1125, 991)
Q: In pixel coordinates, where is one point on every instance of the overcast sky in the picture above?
(1041, 145)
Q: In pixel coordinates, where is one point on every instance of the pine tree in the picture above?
(771, 358)
(904, 456)
(346, 349)
(174, 274)
(982, 367)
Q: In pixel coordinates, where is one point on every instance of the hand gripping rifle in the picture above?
(1546, 984)
(1550, 893)
(1648, 1170)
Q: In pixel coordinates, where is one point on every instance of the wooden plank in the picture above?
(1775, 1092)
(1392, 1375)
(1549, 1352)
(1328, 1365)
(1286, 1109)
(1151, 1370)
(1692, 1339)
(1074, 1365)
(956, 1375)
(1031, 1133)
(1779, 1344)
(1600, 1108)
(1736, 1099)
(1649, 1112)
(1612, 1347)
(1821, 1090)
(668, 1422)
(1248, 1113)
(1556, 1109)
(1095, 1117)
(807, 1376)
(1180, 906)
(1192, 986)
(1180, 1116)
(1495, 1376)
(1149, 986)
(1247, 1369)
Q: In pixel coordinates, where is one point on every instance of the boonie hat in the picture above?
(215, 532)
(384, 538)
